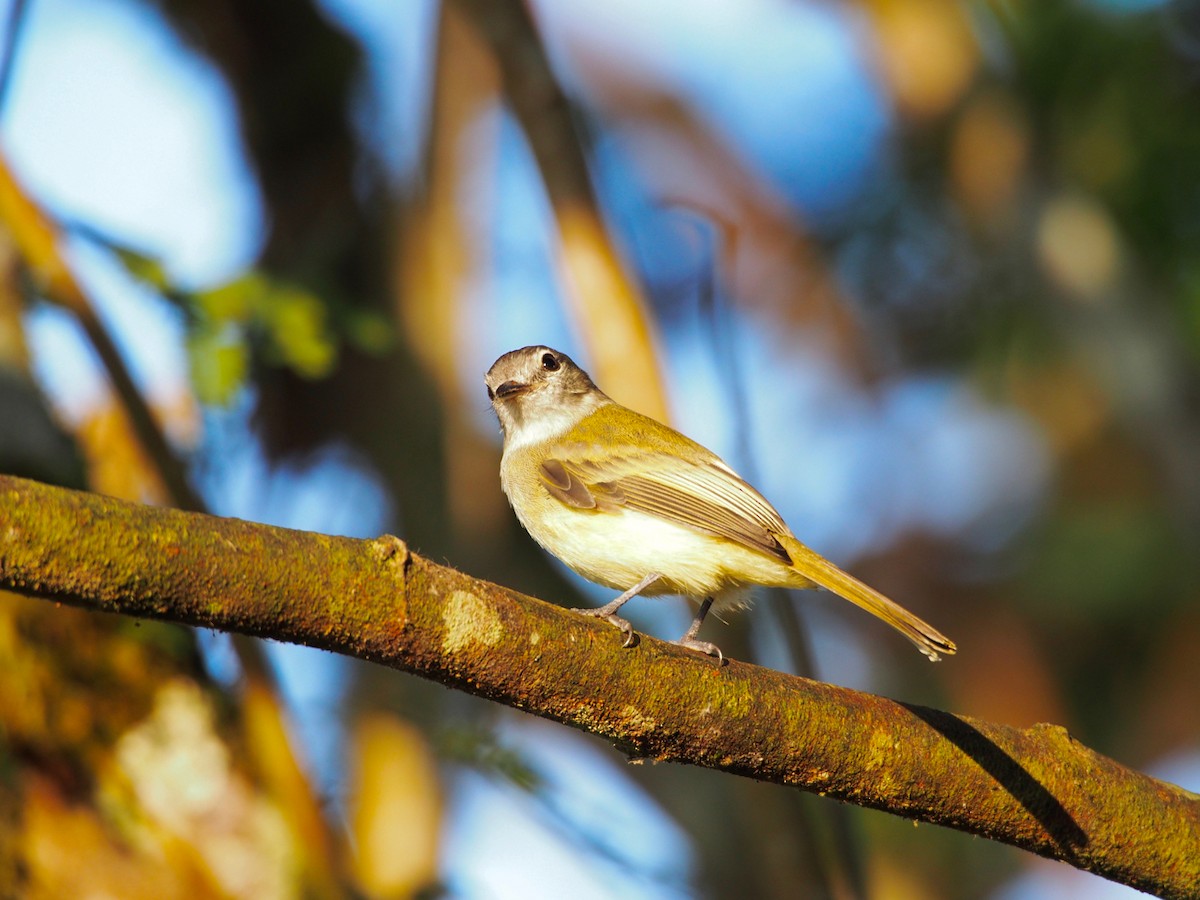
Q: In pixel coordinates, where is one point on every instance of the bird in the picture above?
(633, 505)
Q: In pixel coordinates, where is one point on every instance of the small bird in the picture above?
(632, 504)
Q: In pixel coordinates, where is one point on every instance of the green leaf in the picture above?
(235, 301)
(144, 268)
(369, 331)
(296, 328)
(219, 361)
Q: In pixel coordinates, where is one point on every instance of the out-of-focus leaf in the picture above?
(145, 268)
(219, 362)
(289, 323)
(396, 812)
(989, 153)
(1078, 245)
(234, 301)
(69, 850)
(297, 331)
(37, 238)
(130, 786)
(183, 788)
(369, 331)
(927, 51)
(273, 757)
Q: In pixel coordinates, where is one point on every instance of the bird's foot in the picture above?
(608, 612)
(702, 647)
(691, 642)
(612, 619)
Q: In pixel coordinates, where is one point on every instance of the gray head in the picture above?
(538, 392)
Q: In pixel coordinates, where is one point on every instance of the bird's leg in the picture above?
(608, 612)
(689, 637)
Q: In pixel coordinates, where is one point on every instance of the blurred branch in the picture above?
(610, 310)
(39, 242)
(1033, 788)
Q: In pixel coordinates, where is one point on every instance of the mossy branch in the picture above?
(1033, 788)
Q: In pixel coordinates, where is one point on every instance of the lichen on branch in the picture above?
(1034, 788)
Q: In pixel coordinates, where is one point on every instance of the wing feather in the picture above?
(706, 496)
(569, 487)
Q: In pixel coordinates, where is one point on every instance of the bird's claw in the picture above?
(630, 634)
(702, 647)
(623, 624)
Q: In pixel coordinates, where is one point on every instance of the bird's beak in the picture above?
(510, 389)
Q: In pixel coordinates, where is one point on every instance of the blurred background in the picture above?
(925, 272)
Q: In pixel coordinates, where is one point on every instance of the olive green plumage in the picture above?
(623, 499)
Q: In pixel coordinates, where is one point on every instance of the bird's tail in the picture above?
(821, 571)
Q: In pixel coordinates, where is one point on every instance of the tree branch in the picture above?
(1033, 788)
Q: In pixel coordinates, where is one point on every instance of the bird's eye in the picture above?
(491, 394)
(550, 362)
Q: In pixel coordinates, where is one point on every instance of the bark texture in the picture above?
(1034, 788)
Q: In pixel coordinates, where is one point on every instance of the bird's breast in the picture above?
(617, 548)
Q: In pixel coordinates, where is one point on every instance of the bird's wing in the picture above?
(706, 496)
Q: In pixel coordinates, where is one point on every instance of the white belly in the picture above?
(618, 549)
